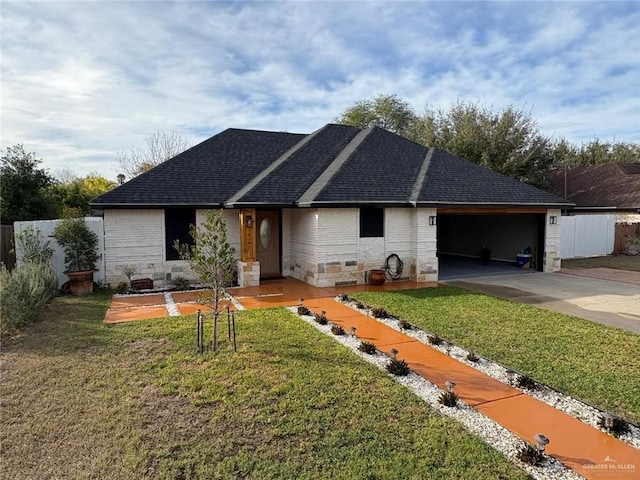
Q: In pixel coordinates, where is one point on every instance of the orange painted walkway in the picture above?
(588, 451)
(130, 308)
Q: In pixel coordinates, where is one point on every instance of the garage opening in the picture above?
(489, 244)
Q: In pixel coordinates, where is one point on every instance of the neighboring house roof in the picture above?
(613, 185)
(337, 165)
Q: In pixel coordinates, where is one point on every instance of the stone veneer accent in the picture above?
(248, 274)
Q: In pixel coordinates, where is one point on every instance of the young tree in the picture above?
(212, 260)
(161, 146)
(22, 187)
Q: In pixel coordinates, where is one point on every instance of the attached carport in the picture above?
(472, 242)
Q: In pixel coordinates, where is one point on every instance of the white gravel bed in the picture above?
(489, 431)
(565, 403)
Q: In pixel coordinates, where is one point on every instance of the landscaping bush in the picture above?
(367, 347)
(530, 455)
(398, 367)
(25, 291)
(379, 312)
(302, 310)
(448, 399)
(337, 330)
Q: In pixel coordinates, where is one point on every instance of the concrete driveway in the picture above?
(605, 301)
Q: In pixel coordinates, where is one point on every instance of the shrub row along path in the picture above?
(588, 451)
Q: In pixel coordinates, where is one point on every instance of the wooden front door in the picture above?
(268, 242)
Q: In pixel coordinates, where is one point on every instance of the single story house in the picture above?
(608, 188)
(327, 207)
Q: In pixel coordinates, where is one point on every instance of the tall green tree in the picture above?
(23, 187)
(212, 260)
(506, 141)
(72, 192)
(385, 111)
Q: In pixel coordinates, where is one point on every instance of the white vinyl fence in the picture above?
(46, 228)
(587, 235)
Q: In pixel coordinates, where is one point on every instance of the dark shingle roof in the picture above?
(294, 176)
(383, 168)
(206, 174)
(336, 165)
(454, 180)
(607, 185)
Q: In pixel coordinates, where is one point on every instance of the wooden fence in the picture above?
(622, 233)
(7, 253)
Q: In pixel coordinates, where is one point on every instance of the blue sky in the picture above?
(82, 80)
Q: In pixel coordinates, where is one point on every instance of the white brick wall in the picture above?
(323, 246)
(137, 237)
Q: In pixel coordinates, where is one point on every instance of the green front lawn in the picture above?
(596, 363)
(81, 399)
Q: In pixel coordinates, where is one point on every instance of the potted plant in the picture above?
(80, 253)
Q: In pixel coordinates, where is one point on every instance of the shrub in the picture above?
(128, 270)
(368, 347)
(321, 318)
(619, 427)
(181, 283)
(122, 288)
(472, 357)
(337, 330)
(398, 367)
(448, 399)
(302, 310)
(435, 340)
(404, 325)
(530, 455)
(79, 244)
(360, 306)
(344, 297)
(379, 312)
(25, 291)
(527, 382)
(32, 247)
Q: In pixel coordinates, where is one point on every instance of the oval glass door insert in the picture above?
(265, 233)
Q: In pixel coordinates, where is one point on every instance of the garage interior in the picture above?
(471, 244)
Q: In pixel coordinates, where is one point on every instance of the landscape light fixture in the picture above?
(542, 441)
(608, 421)
(353, 331)
(511, 375)
(450, 386)
(300, 301)
(394, 353)
(447, 347)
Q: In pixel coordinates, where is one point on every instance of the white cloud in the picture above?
(83, 80)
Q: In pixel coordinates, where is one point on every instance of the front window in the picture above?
(371, 222)
(177, 222)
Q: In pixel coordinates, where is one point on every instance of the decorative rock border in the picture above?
(489, 431)
(578, 409)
